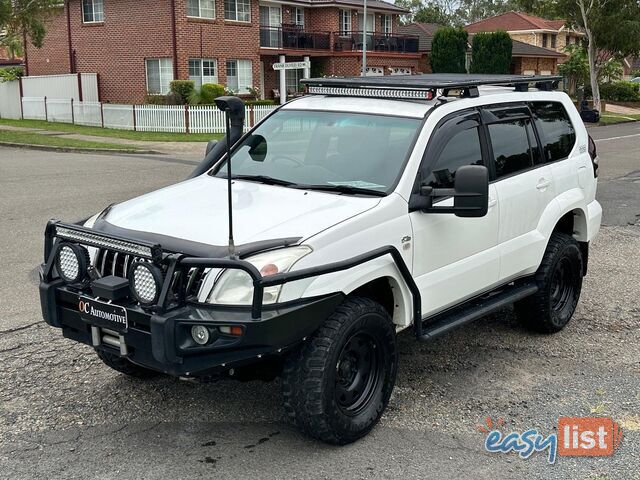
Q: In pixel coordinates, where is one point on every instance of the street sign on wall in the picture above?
(291, 65)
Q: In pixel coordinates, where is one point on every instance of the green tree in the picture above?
(432, 12)
(29, 16)
(448, 50)
(491, 52)
(612, 29)
(575, 69)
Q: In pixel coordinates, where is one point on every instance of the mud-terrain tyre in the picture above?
(123, 365)
(559, 280)
(338, 384)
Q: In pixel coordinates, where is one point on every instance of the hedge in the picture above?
(491, 53)
(448, 50)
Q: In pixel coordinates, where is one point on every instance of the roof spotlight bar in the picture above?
(423, 87)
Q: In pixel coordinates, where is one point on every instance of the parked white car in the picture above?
(367, 207)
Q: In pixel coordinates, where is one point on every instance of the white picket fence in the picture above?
(142, 118)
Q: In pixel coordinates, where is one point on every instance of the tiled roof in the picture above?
(374, 4)
(425, 33)
(513, 21)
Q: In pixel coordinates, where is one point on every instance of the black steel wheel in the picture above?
(338, 384)
(559, 280)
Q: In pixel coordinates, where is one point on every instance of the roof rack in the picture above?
(423, 87)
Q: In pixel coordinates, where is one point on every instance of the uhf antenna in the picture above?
(230, 106)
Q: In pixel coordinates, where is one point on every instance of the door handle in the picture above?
(543, 183)
(492, 202)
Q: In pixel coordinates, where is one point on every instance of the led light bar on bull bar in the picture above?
(95, 239)
(373, 92)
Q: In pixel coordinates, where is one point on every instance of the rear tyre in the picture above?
(337, 385)
(559, 280)
(123, 365)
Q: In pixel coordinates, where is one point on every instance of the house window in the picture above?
(159, 75)
(239, 75)
(203, 70)
(568, 40)
(298, 16)
(544, 40)
(386, 23)
(345, 22)
(238, 10)
(92, 11)
(553, 41)
(201, 8)
(292, 79)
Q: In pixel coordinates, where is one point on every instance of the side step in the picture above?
(441, 323)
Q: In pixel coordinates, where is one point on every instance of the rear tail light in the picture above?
(593, 153)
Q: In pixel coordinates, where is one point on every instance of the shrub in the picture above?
(491, 53)
(210, 91)
(260, 102)
(448, 50)
(184, 88)
(154, 99)
(10, 73)
(620, 91)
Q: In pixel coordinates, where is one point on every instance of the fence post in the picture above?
(21, 96)
(252, 119)
(101, 115)
(134, 117)
(46, 113)
(186, 118)
(73, 121)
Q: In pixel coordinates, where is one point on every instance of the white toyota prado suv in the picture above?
(369, 206)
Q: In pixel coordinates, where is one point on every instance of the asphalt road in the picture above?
(65, 415)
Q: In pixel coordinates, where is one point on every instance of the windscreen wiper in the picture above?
(348, 189)
(264, 179)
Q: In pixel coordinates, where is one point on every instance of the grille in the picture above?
(108, 262)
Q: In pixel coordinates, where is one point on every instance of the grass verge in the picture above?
(29, 138)
(613, 118)
(109, 132)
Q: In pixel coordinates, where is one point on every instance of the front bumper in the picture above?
(161, 341)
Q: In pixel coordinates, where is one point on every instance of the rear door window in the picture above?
(513, 146)
(557, 134)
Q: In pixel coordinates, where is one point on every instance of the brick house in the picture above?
(526, 59)
(138, 47)
(540, 32)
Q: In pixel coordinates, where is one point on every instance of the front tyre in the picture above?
(124, 366)
(559, 280)
(337, 385)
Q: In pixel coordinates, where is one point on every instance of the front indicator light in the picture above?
(72, 262)
(229, 330)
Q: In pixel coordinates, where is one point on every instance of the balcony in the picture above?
(294, 37)
(376, 42)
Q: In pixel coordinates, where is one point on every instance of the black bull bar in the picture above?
(57, 231)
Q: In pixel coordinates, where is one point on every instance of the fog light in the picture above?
(200, 334)
(71, 262)
(145, 280)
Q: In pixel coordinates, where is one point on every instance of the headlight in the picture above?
(235, 287)
(71, 262)
(145, 280)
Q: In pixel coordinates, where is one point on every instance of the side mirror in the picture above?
(210, 145)
(470, 194)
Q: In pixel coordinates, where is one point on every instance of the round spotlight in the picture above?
(200, 334)
(145, 281)
(72, 262)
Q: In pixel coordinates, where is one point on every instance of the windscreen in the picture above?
(326, 149)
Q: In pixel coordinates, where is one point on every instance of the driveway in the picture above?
(65, 415)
